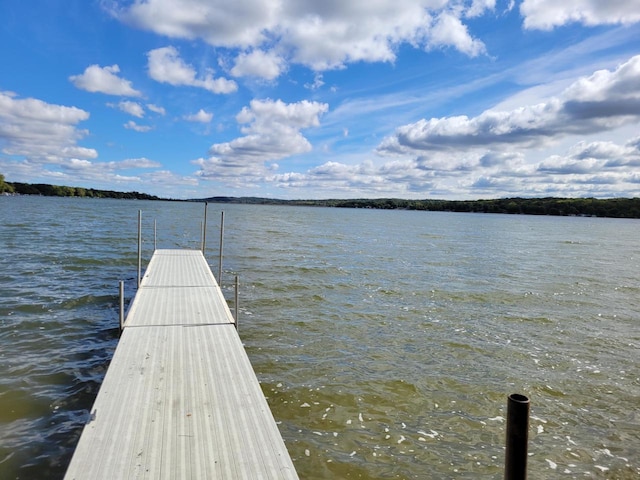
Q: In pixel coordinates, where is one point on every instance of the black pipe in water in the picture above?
(517, 437)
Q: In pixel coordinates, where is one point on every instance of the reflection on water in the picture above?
(386, 342)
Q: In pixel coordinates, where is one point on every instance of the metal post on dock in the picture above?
(155, 235)
(221, 244)
(139, 245)
(121, 305)
(204, 227)
(236, 301)
(517, 437)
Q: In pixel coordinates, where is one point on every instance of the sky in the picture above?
(316, 99)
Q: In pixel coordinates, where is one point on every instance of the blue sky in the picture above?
(302, 99)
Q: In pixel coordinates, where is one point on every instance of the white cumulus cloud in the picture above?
(40, 131)
(319, 34)
(201, 116)
(166, 66)
(267, 65)
(547, 14)
(218, 22)
(104, 80)
(478, 7)
(449, 31)
(272, 130)
(132, 108)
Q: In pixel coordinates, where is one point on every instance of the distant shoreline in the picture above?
(46, 190)
(589, 207)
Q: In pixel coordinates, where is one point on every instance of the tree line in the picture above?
(47, 190)
(612, 207)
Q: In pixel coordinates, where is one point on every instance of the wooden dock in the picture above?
(180, 399)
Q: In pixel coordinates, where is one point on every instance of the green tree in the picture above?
(513, 207)
(4, 186)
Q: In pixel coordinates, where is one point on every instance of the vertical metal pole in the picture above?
(204, 228)
(121, 305)
(155, 235)
(221, 248)
(517, 437)
(139, 245)
(236, 302)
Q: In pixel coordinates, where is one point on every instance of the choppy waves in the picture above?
(385, 342)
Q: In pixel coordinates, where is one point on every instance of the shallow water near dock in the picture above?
(386, 342)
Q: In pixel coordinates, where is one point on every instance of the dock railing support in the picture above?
(236, 301)
(204, 227)
(155, 235)
(517, 437)
(221, 247)
(139, 245)
(121, 305)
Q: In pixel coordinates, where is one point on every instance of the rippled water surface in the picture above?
(385, 341)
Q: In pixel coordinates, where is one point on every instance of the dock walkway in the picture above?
(180, 399)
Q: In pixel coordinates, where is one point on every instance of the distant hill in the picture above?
(612, 207)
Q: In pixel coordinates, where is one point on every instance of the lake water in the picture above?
(386, 342)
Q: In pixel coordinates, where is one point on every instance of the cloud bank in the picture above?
(602, 101)
(326, 35)
(460, 157)
(47, 135)
(41, 131)
(318, 34)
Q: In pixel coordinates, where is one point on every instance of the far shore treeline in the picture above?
(46, 190)
(594, 207)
